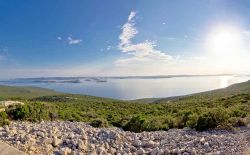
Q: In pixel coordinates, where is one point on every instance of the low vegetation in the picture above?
(24, 92)
(219, 109)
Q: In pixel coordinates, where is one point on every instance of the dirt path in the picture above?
(6, 149)
(246, 137)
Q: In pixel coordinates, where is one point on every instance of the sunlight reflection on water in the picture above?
(226, 81)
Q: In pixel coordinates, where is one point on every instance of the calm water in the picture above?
(140, 88)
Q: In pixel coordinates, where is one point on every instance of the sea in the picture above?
(135, 87)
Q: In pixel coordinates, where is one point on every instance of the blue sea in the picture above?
(129, 88)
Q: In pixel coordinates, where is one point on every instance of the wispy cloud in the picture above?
(128, 31)
(138, 52)
(109, 47)
(72, 41)
(131, 16)
(170, 38)
(59, 38)
(246, 32)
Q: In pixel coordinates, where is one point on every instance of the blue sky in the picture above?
(123, 37)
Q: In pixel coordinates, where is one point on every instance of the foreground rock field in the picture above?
(80, 138)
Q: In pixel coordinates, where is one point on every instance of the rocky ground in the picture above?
(80, 138)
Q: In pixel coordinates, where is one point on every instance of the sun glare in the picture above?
(224, 45)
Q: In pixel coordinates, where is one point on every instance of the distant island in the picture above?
(105, 78)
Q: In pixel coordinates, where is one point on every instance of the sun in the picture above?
(224, 44)
(225, 41)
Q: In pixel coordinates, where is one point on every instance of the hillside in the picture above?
(24, 92)
(224, 108)
(239, 88)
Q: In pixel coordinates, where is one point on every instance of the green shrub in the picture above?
(236, 121)
(122, 122)
(53, 116)
(179, 122)
(205, 121)
(169, 120)
(4, 122)
(100, 122)
(212, 119)
(184, 117)
(192, 120)
(4, 119)
(20, 112)
(202, 111)
(91, 114)
(238, 113)
(136, 124)
(3, 115)
(156, 124)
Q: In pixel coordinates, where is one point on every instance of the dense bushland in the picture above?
(223, 113)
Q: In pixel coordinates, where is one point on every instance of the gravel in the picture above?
(77, 138)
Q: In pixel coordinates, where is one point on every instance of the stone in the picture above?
(41, 134)
(154, 151)
(84, 137)
(32, 148)
(140, 152)
(111, 150)
(2, 129)
(91, 153)
(48, 140)
(164, 142)
(81, 145)
(202, 139)
(136, 143)
(206, 145)
(6, 128)
(65, 151)
(167, 151)
(160, 152)
(56, 141)
(48, 147)
(150, 144)
(63, 137)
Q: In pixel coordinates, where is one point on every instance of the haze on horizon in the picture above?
(123, 38)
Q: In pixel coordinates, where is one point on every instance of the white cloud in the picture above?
(246, 32)
(109, 47)
(163, 23)
(59, 38)
(198, 58)
(131, 15)
(128, 31)
(138, 52)
(72, 41)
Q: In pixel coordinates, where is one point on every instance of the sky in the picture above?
(123, 37)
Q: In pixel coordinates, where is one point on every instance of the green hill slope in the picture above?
(222, 108)
(235, 89)
(24, 92)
